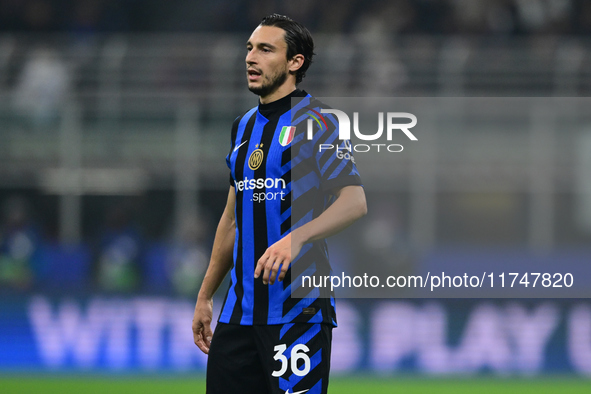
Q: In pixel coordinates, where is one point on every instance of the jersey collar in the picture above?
(283, 104)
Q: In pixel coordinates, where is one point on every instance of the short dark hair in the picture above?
(298, 39)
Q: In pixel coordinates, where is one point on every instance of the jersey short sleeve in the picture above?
(232, 145)
(328, 156)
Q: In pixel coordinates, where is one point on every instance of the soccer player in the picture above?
(267, 341)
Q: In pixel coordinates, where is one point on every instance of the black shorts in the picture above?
(271, 359)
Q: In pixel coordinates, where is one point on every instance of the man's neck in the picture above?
(281, 92)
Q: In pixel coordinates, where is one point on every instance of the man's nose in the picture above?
(250, 58)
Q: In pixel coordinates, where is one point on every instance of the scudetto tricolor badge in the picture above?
(287, 133)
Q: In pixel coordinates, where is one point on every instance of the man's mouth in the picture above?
(253, 75)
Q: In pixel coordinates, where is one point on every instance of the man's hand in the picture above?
(202, 324)
(277, 255)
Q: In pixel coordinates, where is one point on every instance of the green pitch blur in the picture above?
(338, 385)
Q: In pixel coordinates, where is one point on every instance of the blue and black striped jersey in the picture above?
(282, 181)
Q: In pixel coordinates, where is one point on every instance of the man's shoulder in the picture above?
(246, 114)
(307, 102)
(312, 108)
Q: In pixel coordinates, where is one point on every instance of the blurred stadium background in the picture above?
(114, 126)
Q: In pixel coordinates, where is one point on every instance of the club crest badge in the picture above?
(256, 158)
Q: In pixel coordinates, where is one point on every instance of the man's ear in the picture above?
(296, 62)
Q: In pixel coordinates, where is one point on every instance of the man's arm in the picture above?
(349, 206)
(219, 264)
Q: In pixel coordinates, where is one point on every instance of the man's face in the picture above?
(266, 60)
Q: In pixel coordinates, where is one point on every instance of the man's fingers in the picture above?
(267, 271)
(202, 346)
(261, 264)
(267, 262)
(275, 270)
(273, 264)
(283, 271)
(276, 256)
(207, 335)
(197, 338)
(202, 337)
(267, 277)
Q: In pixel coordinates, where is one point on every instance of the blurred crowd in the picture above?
(512, 17)
(115, 256)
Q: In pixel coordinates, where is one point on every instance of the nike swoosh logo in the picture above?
(299, 392)
(238, 147)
